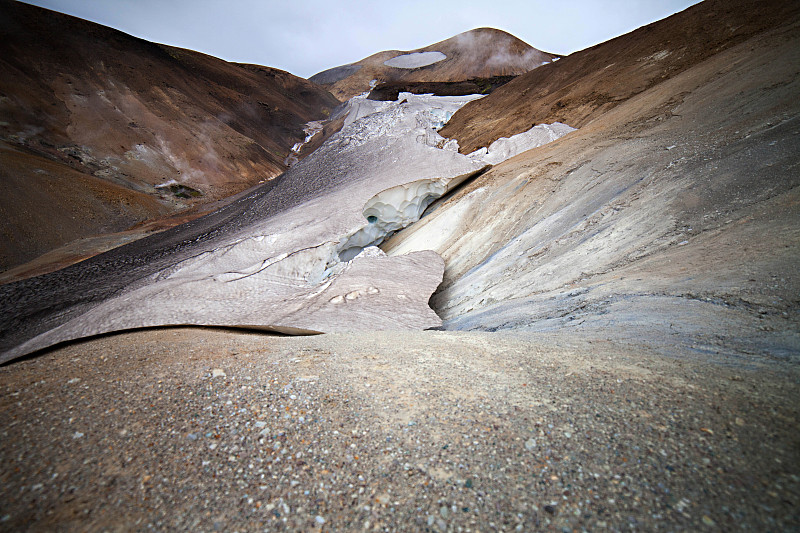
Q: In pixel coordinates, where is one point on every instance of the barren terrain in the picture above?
(478, 53)
(82, 98)
(620, 344)
(204, 430)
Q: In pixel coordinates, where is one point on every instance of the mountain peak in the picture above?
(477, 53)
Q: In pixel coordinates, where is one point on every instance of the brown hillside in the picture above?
(584, 85)
(135, 114)
(478, 53)
(46, 204)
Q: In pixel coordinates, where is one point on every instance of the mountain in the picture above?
(570, 226)
(617, 315)
(585, 85)
(129, 116)
(478, 53)
(668, 218)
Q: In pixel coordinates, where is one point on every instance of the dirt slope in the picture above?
(478, 53)
(637, 286)
(670, 219)
(582, 86)
(204, 430)
(46, 204)
(137, 114)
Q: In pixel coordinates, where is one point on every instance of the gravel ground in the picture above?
(205, 429)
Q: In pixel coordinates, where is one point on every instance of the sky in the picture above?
(307, 36)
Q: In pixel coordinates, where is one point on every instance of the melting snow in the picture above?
(311, 129)
(416, 60)
(507, 147)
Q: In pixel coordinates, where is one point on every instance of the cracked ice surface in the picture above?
(273, 261)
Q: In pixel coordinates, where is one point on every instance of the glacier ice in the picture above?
(297, 254)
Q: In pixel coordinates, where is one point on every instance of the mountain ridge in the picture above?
(584, 85)
(477, 53)
(139, 115)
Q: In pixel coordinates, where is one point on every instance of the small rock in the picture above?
(707, 521)
(218, 373)
(550, 509)
(739, 421)
(319, 520)
(77, 435)
(530, 444)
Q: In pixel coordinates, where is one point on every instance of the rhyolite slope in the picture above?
(478, 53)
(670, 219)
(132, 114)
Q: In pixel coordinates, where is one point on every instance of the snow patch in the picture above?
(507, 147)
(415, 60)
(310, 129)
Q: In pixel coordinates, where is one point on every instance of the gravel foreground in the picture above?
(216, 430)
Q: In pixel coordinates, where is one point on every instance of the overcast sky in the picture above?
(308, 36)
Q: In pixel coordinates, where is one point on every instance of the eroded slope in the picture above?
(671, 219)
(137, 115)
(584, 85)
(478, 53)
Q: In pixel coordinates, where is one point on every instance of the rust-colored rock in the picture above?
(582, 86)
(478, 53)
(132, 114)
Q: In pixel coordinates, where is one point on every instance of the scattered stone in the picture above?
(218, 373)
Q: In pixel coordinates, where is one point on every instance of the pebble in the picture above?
(530, 444)
(319, 520)
(218, 373)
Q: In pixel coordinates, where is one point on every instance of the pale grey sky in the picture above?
(307, 36)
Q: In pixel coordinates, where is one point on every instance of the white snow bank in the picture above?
(507, 147)
(419, 59)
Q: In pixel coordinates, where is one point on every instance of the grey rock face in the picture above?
(670, 220)
(283, 258)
